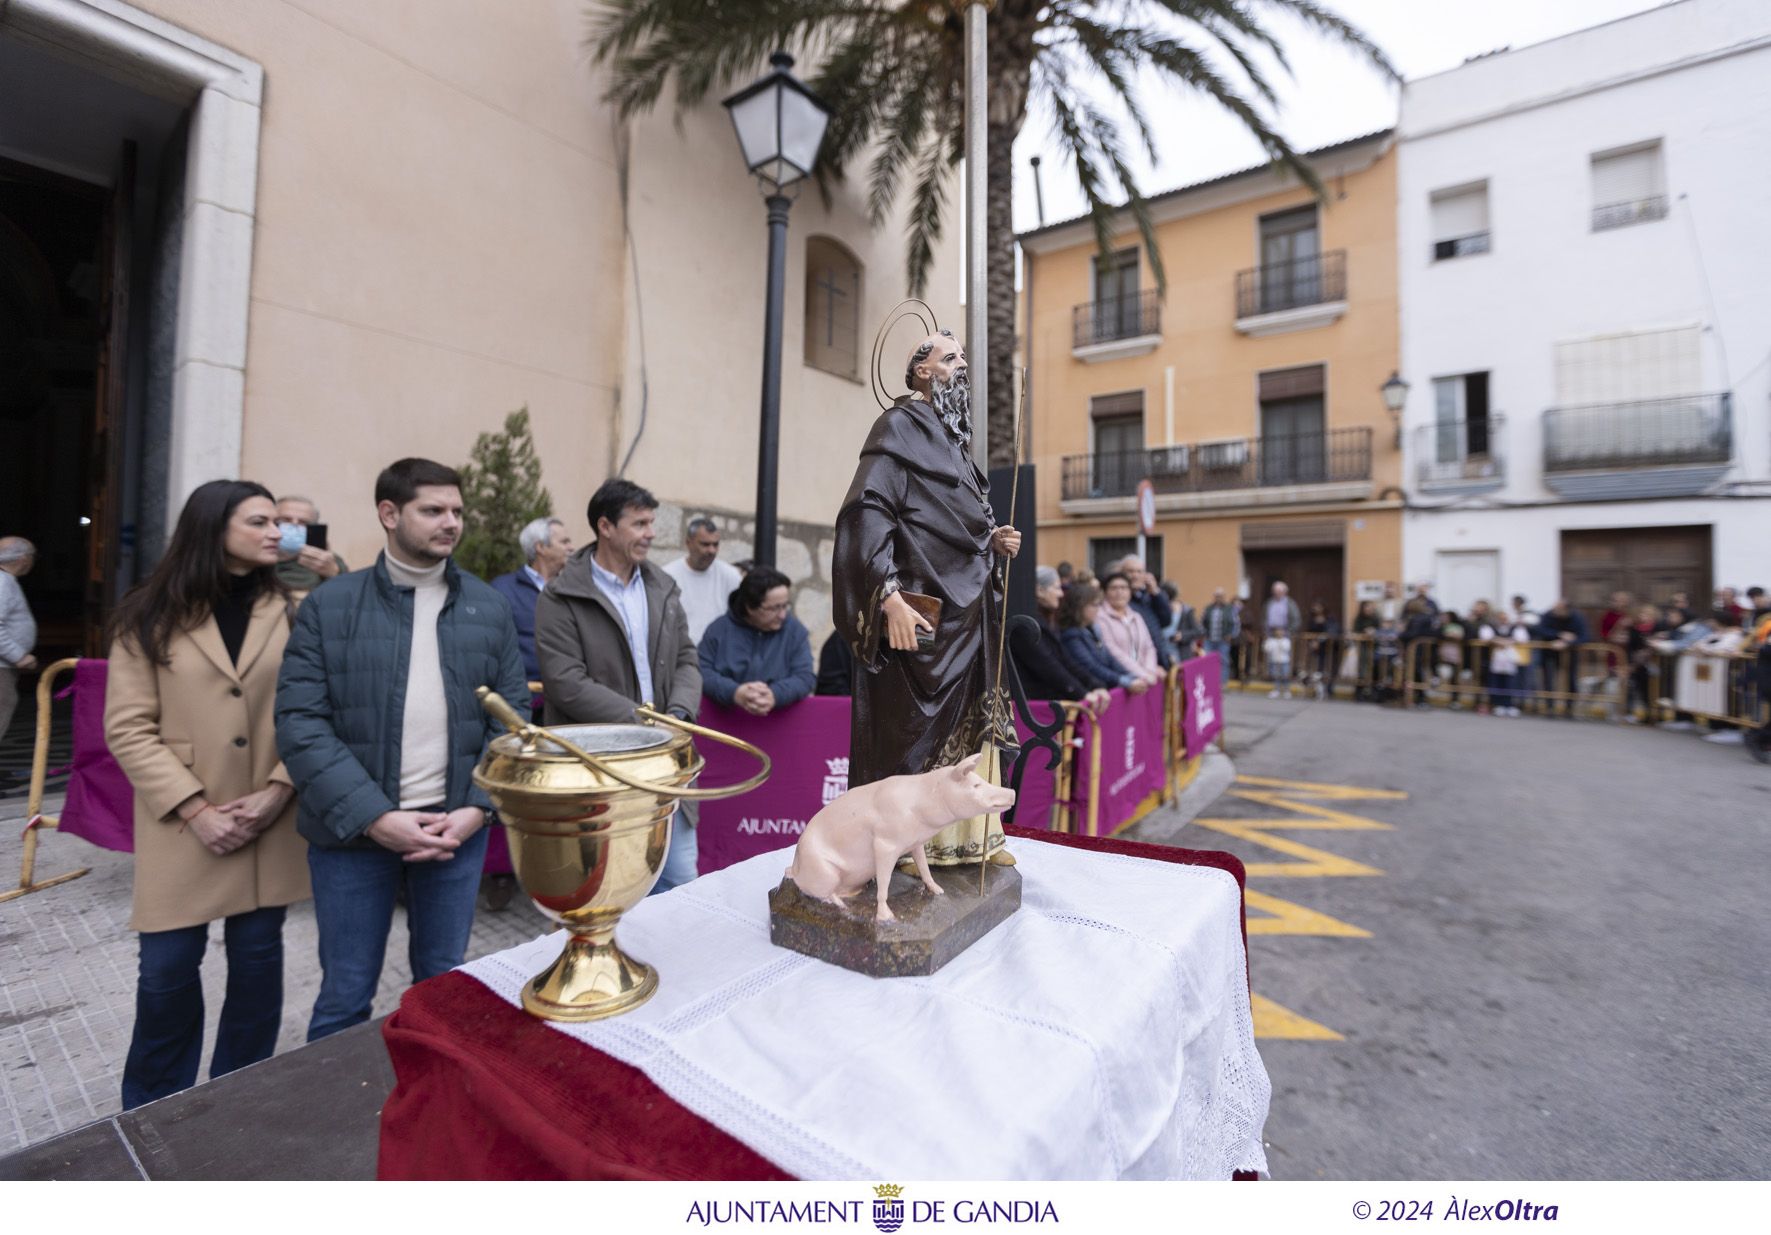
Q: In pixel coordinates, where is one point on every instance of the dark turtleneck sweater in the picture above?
(234, 611)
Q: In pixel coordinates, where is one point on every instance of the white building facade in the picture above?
(1586, 326)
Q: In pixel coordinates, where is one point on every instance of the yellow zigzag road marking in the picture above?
(1310, 789)
(1273, 1021)
(1290, 918)
(1316, 863)
(1314, 818)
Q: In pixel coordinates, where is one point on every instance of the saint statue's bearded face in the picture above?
(938, 372)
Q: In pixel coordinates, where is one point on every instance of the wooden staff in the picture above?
(1014, 496)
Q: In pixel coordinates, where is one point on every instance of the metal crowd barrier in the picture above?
(1581, 679)
(1078, 722)
(27, 881)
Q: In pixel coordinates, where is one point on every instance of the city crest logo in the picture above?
(888, 1207)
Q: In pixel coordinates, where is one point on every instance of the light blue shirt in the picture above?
(629, 600)
(537, 580)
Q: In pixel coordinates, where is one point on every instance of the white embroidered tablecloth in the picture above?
(1102, 1032)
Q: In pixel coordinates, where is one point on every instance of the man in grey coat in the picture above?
(610, 632)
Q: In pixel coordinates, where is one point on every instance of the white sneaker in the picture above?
(1726, 737)
(1678, 726)
(1274, 693)
(1514, 712)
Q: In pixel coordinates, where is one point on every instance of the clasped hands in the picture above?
(755, 698)
(426, 835)
(233, 825)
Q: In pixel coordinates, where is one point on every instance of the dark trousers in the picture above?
(1502, 692)
(167, 1046)
(354, 891)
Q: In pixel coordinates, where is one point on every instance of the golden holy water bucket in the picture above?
(587, 812)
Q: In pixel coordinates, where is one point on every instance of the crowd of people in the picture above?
(292, 729)
(295, 729)
(1125, 628)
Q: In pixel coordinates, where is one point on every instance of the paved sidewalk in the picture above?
(67, 980)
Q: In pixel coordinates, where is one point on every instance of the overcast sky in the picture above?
(1332, 95)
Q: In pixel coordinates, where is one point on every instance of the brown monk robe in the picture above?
(917, 519)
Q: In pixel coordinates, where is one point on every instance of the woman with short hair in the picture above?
(757, 655)
(1045, 671)
(1124, 631)
(195, 650)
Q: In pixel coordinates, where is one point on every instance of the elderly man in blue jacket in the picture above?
(379, 728)
(546, 545)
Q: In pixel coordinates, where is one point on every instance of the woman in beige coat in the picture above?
(188, 715)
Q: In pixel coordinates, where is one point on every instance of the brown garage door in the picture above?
(1310, 574)
(1650, 563)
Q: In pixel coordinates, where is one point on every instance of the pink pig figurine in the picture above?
(862, 834)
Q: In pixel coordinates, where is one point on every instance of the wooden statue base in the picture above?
(929, 931)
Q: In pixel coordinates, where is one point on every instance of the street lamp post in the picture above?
(780, 125)
(1395, 393)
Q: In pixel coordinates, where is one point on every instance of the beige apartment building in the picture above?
(1248, 396)
(293, 240)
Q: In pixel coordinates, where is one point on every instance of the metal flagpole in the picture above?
(977, 244)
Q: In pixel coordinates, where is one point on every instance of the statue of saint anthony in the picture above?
(917, 519)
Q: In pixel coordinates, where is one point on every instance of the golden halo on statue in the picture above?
(923, 314)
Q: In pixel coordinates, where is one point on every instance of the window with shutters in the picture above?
(1120, 461)
(1293, 442)
(1461, 425)
(833, 308)
(1460, 221)
(1629, 186)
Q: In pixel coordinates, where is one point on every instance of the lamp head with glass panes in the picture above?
(780, 125)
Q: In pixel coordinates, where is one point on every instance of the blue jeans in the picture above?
(354, 893)
(681, 863)
(167, 1046)
(1222, 648)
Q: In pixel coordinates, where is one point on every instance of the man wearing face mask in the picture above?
(302, 567)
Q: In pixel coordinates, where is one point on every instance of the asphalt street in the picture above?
(1547, 961)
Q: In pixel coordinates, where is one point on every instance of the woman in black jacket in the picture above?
(1046, 672)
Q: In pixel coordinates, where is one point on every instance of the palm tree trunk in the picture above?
(1010, 81)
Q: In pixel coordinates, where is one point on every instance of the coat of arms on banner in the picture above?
(1203, 713)
(888, 1205)
(836, 780)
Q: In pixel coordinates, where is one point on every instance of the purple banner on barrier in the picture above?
(100, 806)
(1202, 704)
(809, 746)
(1132, 764)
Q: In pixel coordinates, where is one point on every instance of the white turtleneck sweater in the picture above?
(424, 729)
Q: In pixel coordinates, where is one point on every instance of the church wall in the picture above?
(440, 240)
(437, 231)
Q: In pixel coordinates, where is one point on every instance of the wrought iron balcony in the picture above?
(1690, 429)
(1121, 317)
(1283, 286)
(1462, 454)
(1622, 214)
(1338, 456)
